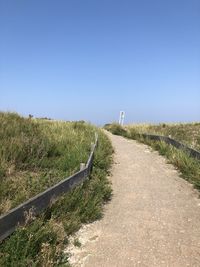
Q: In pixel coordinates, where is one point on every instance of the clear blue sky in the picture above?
(75, 59)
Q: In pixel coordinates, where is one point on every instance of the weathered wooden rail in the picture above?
(192, 152)
(40, 202)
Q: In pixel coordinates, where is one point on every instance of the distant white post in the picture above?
(121, 118)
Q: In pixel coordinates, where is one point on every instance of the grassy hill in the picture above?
(34, 155)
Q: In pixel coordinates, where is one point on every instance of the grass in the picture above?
(36, 154)
(116, 129)
(42, 242)
(77, 243)
(185, 133)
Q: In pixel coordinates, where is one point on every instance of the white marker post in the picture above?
(121, 118)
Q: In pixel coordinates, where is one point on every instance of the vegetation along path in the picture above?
(153, 218)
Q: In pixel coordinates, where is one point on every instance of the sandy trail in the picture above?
(153, 218)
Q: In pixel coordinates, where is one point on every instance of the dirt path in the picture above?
(152, 220)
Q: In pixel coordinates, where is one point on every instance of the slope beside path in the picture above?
(152, 220)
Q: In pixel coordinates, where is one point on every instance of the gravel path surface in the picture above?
(153, 218)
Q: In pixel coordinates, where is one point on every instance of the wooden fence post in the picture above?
(82, 166)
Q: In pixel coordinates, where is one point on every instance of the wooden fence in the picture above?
(192, 152)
